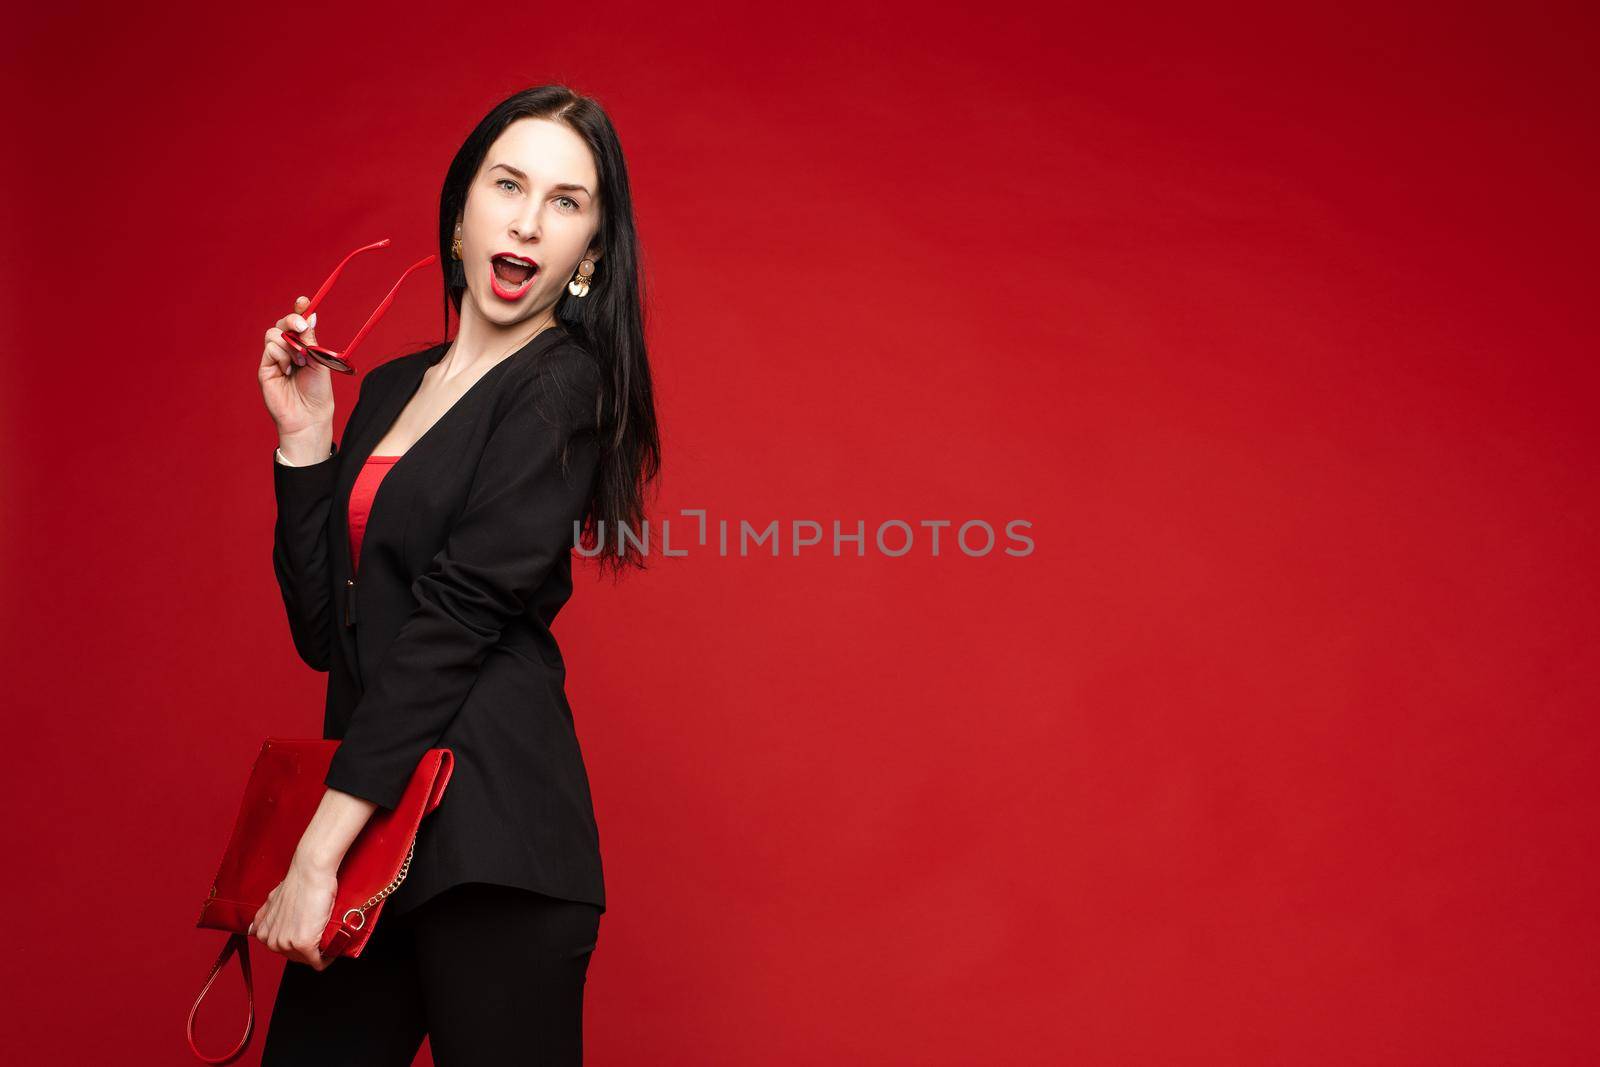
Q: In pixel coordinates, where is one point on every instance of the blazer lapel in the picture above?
(360, 440)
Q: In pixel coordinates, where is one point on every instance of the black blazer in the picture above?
(442, 638)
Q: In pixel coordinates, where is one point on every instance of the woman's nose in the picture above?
(526, 229)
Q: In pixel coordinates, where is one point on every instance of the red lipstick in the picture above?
(503, 288)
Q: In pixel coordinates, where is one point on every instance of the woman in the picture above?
(429, 605)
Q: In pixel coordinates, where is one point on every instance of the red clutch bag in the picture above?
(284, 791)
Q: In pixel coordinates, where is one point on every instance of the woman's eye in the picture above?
(571, 201)
(502, 182)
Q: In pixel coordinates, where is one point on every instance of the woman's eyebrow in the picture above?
(563, 185)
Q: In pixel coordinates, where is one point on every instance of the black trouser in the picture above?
(491, 974)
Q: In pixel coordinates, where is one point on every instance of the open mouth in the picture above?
(511, 275)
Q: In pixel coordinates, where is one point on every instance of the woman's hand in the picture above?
(298, 390)
(296, 913)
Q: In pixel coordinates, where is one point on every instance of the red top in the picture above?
(361, 494)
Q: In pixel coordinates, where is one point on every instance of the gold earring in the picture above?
(579, 286)
(455, 247)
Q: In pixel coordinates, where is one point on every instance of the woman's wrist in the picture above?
(305, 448)
(328, 836)
(314, 862)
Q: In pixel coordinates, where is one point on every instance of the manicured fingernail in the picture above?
(312, 320)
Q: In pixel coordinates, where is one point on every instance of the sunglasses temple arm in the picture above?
(322, 292)
(372, 320)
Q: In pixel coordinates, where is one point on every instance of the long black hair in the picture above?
(609, 321)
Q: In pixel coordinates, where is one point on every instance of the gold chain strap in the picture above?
(361, 911)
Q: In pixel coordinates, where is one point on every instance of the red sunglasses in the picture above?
(341, 361)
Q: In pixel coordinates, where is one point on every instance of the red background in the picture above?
(1279, 748)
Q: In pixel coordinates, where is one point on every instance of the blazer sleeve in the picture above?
(516, 524)
(300, 548)
(300, 555)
